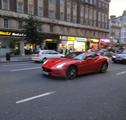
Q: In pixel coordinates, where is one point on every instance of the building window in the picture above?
(20, 24)
(51, 14)
(30, 7)
(40, 7)
(5, 23)
(74, 12)
(68, 10)
(52, 9)
(82, 14)
(62, 5)
(20, 7)
(86, 15)
(61, 15)
(5, 4)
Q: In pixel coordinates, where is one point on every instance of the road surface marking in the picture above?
(33, 68)
(35, 97)
(121, 73)
(14, 65)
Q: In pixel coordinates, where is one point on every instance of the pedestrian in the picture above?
(8, 57)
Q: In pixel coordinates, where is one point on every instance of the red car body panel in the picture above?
(83, 66)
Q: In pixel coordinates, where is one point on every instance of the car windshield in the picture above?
(76, 55)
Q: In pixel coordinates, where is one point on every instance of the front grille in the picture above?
(46, 69)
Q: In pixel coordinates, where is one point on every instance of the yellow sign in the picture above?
(51, 40)
(71, 38)
(5, 33)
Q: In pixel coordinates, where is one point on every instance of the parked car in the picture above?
(119, 57)
(43, 55)
(75, 64)
(105, 52)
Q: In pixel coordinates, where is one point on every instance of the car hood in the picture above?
(52, 62)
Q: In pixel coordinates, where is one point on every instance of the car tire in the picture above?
(104, 67)
(71, 72)
(44, 59)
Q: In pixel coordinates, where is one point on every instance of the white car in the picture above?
(42, 55)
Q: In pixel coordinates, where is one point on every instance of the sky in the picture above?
(117, 7)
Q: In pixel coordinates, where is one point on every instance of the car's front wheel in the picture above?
(71, 73)
(104, 67)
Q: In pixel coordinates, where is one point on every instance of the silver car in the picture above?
(42, 55)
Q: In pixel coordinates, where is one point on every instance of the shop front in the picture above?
(10, 42)
(69, 44)
(80, 44)
(105, 43)
(51, 44)
(94, 43)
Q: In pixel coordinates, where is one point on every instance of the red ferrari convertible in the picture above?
(74, 64)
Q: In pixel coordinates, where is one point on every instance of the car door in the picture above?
(90, 64)
(52, 54)
(55, 54)
(83, 67)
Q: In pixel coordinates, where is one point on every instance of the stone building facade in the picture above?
(81, 18)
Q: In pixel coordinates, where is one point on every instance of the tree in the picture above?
(31, 31)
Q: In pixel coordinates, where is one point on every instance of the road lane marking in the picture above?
(121, 73)
(32, 68)
(35, 97)
(14, 65)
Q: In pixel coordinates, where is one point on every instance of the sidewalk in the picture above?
(16, 59)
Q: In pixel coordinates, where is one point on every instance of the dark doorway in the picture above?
(51, 46)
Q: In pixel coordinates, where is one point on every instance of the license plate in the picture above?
(45, 73)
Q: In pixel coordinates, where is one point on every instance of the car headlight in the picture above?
(124, 57)
(60, 65)
(113, 56)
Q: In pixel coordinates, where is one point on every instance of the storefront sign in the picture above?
(95, 40)
(105, 40)
(51, 40)
(17, 34)
(5, 33)
(71, 38)
(79, 39)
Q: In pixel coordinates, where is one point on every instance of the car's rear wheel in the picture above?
(104, 67)
(44, 59)
(71, 72)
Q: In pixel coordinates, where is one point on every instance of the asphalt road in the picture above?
(25, 94)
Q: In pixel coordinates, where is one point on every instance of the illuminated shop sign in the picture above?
(95, 40)
(17, 34)
(105, 40)
(11, 33)
(51, 40)
(64, 38)
(71, 38)
(81, 39)
(5, 33)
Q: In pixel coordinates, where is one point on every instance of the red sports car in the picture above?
(74, 64)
